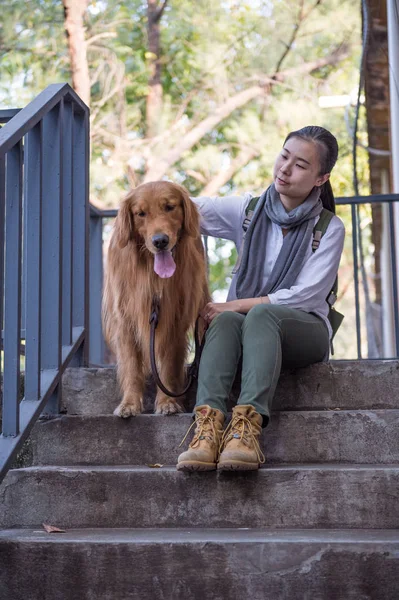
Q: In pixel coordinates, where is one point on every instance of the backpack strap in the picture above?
(321, 227)
(249, 213)
(319, 230)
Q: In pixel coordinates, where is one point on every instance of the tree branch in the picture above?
(99, 36)
(160, 12)
(196, 175)
(293, 36)
(300, 20)
(159, 165)
(224, 176)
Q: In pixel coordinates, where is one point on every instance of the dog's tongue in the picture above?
(164, 265)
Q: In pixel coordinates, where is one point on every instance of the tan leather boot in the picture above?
(202, 453)
(240, 449)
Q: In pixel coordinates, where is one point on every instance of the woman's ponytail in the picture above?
(327, 196)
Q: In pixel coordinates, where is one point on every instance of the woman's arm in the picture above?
(222, 216)
(212, 309)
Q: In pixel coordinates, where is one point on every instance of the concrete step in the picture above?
(291, 437)
(289, 496)
(339, 384)
(161, 564)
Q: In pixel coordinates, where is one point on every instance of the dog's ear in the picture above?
(124, 223)
(191, 224)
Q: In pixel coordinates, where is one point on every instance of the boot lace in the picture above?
(205, 430)
(240, 427)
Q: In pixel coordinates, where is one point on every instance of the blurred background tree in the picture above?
(199, 92)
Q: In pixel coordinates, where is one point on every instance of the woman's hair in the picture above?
(328, 157)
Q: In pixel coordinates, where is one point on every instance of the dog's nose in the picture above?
(160, 241)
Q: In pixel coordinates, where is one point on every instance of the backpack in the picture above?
(319, 230)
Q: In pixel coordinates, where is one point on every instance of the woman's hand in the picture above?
(212, 309)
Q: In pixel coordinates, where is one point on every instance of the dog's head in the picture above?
(157, 214)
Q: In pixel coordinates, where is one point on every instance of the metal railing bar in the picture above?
(394, 276)
(96, 212)
(51, 241)
(22, 334)
(97, 346)
(356, 278)
(80, 220)
(8, 113)
(33, 255)
(2, 234)
(28, 117)
(78, 336)
(110, 213)
(12, 291)
(31, 410)
(67, 233)
(86, 207)
(373, 199)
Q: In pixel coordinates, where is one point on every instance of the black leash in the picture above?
(192, 369)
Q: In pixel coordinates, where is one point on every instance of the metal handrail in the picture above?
(44, 255)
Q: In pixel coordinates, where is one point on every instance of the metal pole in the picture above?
(388, 322)
(393, 59)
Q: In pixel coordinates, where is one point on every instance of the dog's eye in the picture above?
(169, 207)
(141, 213)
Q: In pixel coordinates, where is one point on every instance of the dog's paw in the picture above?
(127, 410)
(167, 407)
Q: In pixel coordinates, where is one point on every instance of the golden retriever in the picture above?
(155, 248)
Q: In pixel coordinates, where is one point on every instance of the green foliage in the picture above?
(210, 51)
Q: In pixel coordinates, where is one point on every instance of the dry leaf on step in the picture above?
(156, 466)
(52, 529)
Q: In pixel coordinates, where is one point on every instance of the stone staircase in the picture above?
(318, 522)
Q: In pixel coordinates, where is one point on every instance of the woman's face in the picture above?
(297, 167)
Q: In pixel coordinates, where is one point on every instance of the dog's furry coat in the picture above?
(130, 283)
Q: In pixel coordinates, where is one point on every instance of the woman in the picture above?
(276, 310)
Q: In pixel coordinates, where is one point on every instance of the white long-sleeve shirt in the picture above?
(222, 217)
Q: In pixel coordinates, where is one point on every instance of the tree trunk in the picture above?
(74, 11)
(154, 98)
(377, 105)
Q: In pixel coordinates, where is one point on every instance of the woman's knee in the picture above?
(264, 311)
(262, 314)
(227, 319)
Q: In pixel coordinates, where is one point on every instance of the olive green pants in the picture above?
(268, 338)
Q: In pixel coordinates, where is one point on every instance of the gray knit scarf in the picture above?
(247, 283)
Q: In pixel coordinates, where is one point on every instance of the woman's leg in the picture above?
(217, 370)
(219, 360)
(274, 336)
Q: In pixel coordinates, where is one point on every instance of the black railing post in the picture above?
(394, 277)
(12, 291)
(356, 279)
(67, 233)
(2, 245)
(80, 225)
(33, 207)
(51, 250)
(97, 346)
